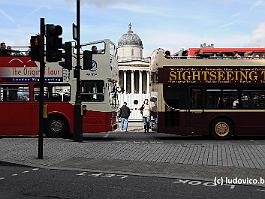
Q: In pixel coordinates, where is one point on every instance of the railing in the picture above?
(216, 57)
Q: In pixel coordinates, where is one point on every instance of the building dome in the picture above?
(130, 39)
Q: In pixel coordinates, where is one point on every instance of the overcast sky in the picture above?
(169, 24)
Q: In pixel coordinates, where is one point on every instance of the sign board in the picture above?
(212, 74)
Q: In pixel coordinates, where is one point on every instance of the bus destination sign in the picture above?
(211, 74)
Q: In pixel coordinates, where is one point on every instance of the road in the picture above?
(34, 183)
(130, 165)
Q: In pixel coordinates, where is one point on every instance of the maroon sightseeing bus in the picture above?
(209, 95)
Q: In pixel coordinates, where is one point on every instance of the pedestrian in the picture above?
(124, 114)
(94, 49)
(3, 46)
(8, 50)
(3, 50)
(146, 112)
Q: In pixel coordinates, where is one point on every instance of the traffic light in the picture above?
(67, 55)
(35, 48)
(53, 43)
(87, 60)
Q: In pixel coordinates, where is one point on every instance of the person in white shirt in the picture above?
(146, 112)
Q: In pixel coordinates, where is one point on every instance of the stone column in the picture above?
(132, 81)
(140, 82)
(147, 81)
(124, 81)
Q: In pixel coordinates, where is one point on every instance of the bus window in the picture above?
(13, 93)
(196, 98)
(113, 96)
(92, 90)
(222, 98)
(253, 99)
(96, 48)
(113, 50)
(54, 93)
(213, 98)
(154, 77)
(230, 98)
(176, 96)
(37, 91)
(60, 93)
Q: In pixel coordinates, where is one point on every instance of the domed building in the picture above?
(134, 76)
(130, 46)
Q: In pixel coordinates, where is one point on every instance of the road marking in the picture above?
(2, 178)
(108, 175)
(96, 174)
(25, 171)
(81, 174)
(14, 174)
(35, 169)
(198, 182)
(122, 176)
(103, 175)
(263, 190)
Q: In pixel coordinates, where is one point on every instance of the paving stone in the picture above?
(24, 150)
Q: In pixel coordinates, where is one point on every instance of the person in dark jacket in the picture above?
(124, 115)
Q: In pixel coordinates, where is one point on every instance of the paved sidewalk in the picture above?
(192, 160)
(134, 127)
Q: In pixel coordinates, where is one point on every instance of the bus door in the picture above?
(176, 108)
(195, 115)
(18, 115)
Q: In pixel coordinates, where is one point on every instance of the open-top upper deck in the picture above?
(17, 65)
(160, 59)
(104, 60)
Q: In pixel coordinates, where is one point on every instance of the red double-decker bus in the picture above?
(209, 95)
(19, 91)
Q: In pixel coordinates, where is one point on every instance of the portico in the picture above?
(134, 75)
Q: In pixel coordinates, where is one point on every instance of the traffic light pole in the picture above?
(41, 94)
(78, 134)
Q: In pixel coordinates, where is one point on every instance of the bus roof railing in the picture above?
(257, 56)
(97, 41)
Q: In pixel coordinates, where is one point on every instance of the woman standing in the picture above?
(146, 111)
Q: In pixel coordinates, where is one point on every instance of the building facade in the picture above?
(134, 75)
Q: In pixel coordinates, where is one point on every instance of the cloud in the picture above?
(236, 15)
(229, 24)
(258, 35)
(257, 4)
(105, 3)
(174, 40)
(133, 8)
(7, 16)
(17, 36)
(143, 9)
(36, 10)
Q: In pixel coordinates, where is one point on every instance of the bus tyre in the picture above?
(56, 127)
(222, 128)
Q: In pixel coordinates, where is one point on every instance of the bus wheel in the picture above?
(222, 128)
(56, 127)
